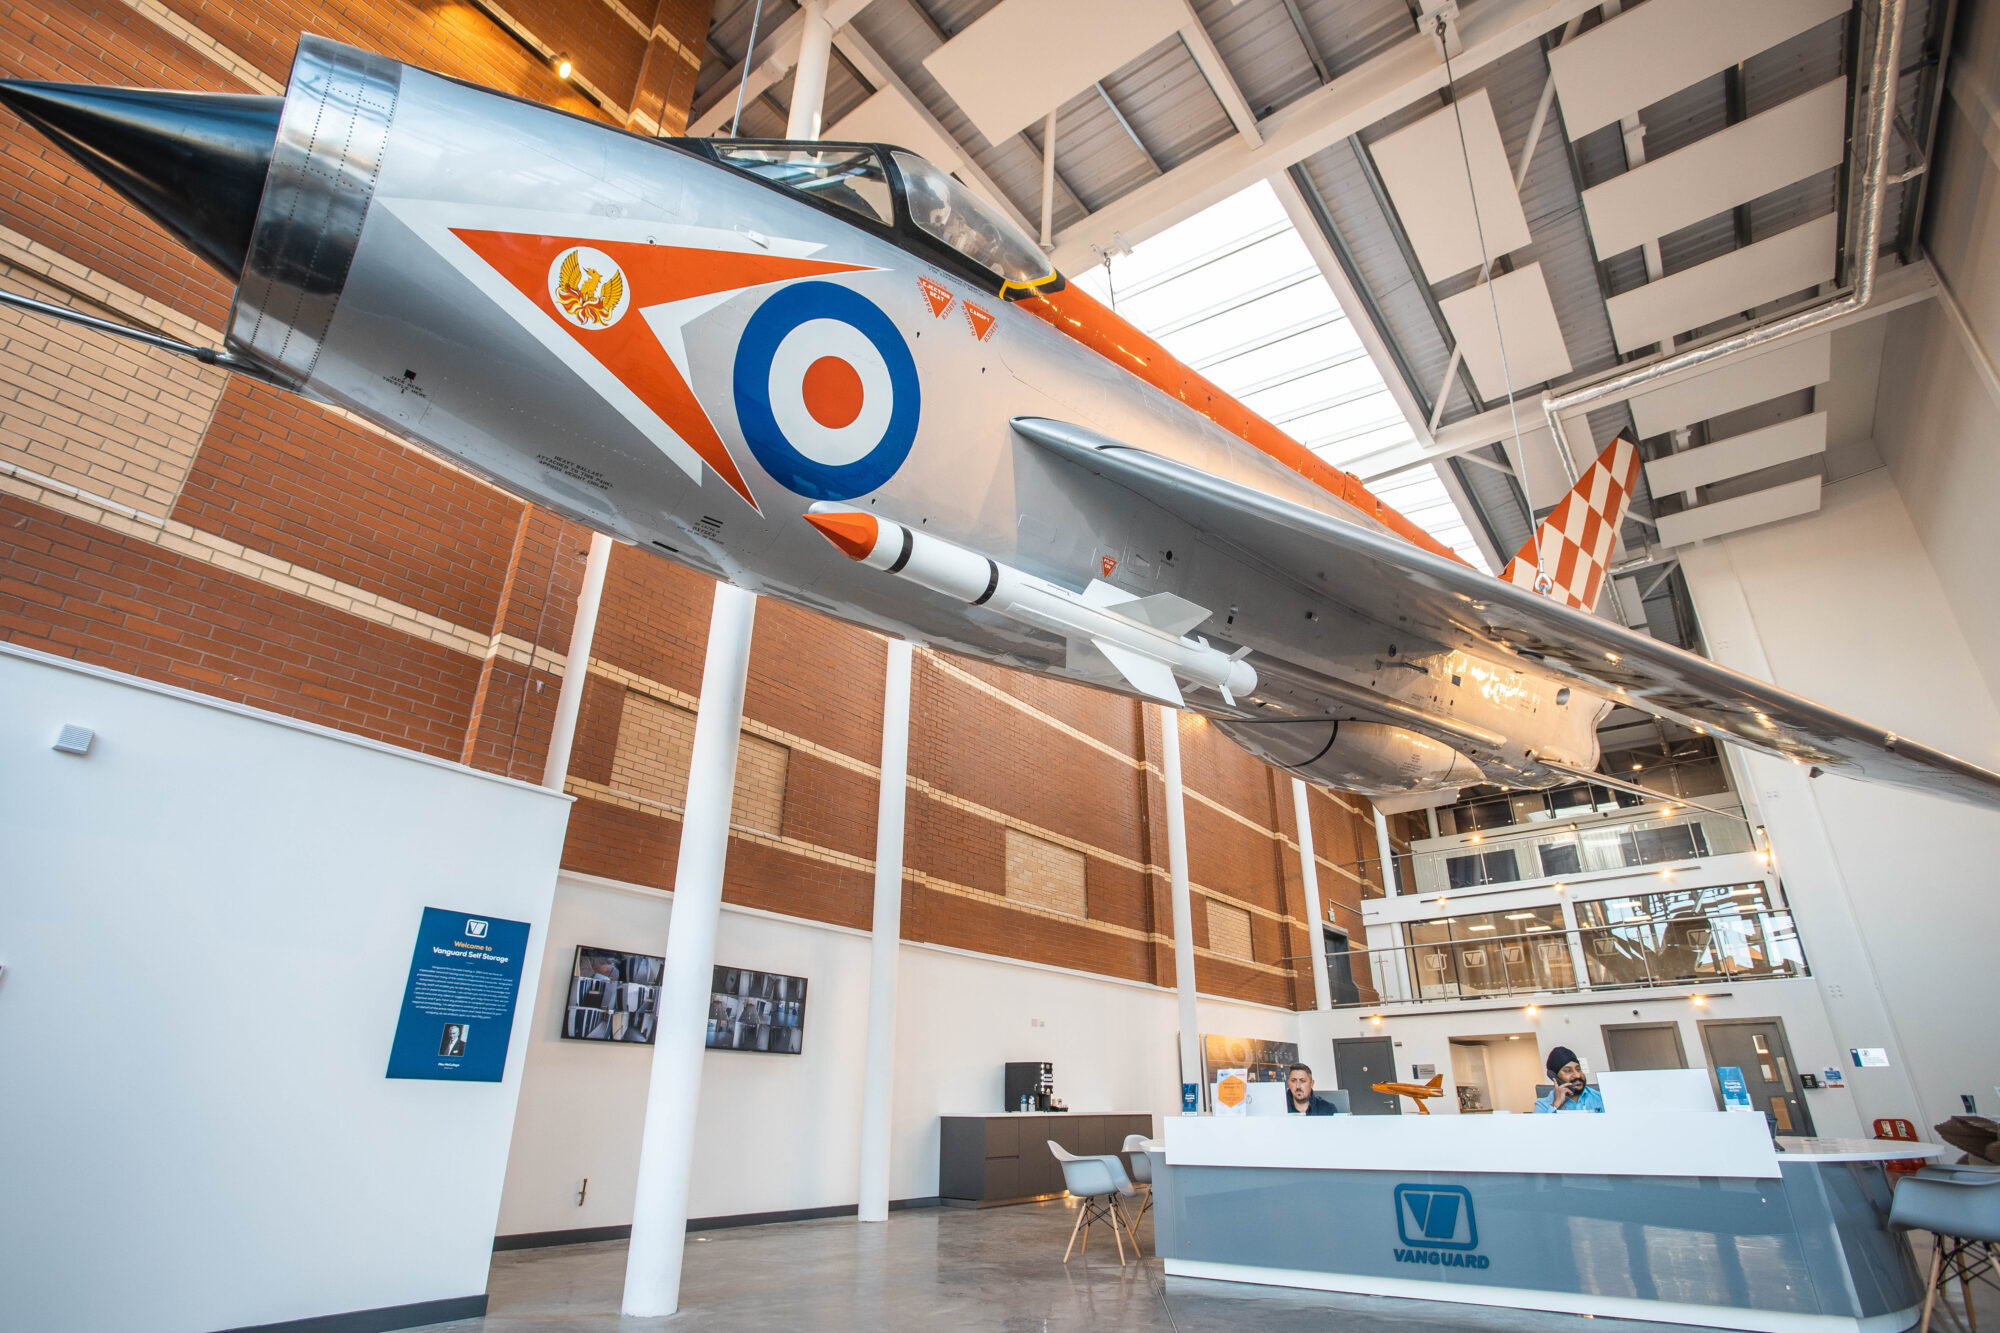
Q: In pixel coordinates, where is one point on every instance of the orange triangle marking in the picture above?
(1107, 564)
(982, 321)
(936, 297)
(654, 274)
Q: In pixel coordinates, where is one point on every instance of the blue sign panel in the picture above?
(1735, 1092)
(458, 1006)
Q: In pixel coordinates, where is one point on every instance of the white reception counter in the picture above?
(1689, 1218)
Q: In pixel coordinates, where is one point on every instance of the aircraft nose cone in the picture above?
(194, 161)
(853, 533)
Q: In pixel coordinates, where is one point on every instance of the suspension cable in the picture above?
(1486, 274)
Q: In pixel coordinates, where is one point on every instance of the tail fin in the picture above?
(1578, 535)
(1436, 1084)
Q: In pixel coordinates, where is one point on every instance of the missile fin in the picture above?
(1148, 675)
(1166, 612)
(1105, 597)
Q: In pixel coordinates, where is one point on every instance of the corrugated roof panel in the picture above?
(1352, 32)
(1170, 104)
(1262, 49)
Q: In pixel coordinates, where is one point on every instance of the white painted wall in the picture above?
(782, 1132)
(1893, 890)
(207, 924)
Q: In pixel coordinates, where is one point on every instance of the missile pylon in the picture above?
(1110, 632)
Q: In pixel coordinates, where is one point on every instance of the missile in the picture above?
(1111, 633)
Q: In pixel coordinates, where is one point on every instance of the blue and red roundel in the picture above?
(826, 391)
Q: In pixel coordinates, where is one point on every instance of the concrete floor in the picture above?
(942, 1268)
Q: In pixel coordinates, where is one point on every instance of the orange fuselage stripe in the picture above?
(1081, 316)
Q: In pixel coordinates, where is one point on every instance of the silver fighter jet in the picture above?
(834, 375)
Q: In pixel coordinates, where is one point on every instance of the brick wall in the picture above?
(163, 518)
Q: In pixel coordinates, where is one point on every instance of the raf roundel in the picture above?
(826, 391)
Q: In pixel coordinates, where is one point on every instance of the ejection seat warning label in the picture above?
(458, 1005)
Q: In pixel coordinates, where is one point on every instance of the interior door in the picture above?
(1644, 1046)
(1757, 1046)
(1359, 1062)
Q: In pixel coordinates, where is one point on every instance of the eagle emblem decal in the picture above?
(587, 288)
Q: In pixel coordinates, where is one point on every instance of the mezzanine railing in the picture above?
(1693, 949)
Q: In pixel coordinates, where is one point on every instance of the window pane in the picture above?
(964, 221)
(850, 177)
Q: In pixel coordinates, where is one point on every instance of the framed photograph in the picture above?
(756, 1011)
(613, 996)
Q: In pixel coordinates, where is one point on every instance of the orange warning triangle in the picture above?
(936, 297)
(981, 321)
(653, 275)
(1108, 564)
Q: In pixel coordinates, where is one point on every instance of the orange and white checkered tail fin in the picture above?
(1579, 534)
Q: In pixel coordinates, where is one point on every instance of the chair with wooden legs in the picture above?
(1961, 1210)
(1098, 1183)
(1141, 1168)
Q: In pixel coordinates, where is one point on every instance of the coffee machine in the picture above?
(1030, 1085)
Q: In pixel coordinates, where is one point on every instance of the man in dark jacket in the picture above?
(1303, 1101)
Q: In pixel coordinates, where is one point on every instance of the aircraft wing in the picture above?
(1390, 581)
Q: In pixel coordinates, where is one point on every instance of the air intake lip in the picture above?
(195, 162)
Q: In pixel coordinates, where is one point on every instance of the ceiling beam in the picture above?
(1894, 289)
(1216, 70)
(1407, 72)
(771, 61)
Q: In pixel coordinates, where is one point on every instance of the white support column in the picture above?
(576, 668)
(1049, 180)
(878, 1077)
(1177, 873)
(666, 1151)
(1387, 851)
(809, 79)
(1309, 874)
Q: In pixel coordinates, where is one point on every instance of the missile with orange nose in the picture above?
(1110, 632)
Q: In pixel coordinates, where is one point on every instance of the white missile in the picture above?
(1110, 632)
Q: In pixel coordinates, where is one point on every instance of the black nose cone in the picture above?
(195, 161)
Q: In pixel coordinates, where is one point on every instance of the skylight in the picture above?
(1235, 294)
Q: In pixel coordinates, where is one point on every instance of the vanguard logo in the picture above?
(1437, 1226)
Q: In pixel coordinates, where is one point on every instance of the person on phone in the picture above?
(1570, 1092)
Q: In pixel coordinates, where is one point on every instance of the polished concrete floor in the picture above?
(939, 1268)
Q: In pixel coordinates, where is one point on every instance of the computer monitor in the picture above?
(1656, 1090)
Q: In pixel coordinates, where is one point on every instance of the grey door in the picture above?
(1340, 968)
(1757, 1046)
(1644, 1046)
(1359, 1062)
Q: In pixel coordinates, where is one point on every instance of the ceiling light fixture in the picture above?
(563, 66)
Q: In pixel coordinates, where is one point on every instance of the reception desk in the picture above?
(1679, 1218)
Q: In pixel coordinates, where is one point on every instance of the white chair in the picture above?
(1098, 1183)
(1961, 1210)
(1141, 1168)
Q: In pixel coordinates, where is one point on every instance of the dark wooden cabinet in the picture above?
(984, 1160)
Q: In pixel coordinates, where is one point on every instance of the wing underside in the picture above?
(1393, 582)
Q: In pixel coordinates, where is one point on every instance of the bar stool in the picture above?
(1962, 1210)
(1098, 1182)
(1141, 1167)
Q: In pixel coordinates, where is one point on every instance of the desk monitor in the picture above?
(1656, 1090)
(1264, 1102)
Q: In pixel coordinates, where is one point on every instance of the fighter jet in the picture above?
(1420, 1093)
(833, 374)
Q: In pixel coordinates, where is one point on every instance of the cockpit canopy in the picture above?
(895, 192)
